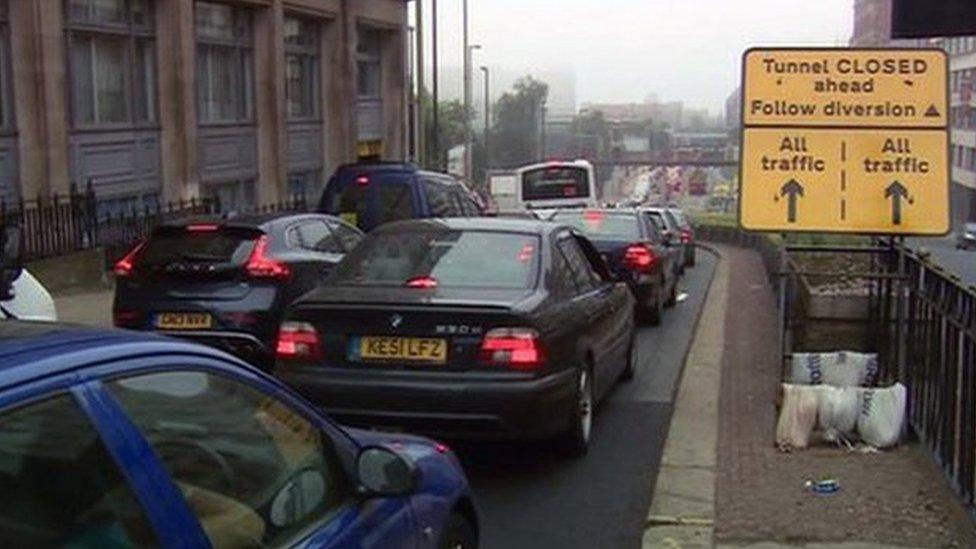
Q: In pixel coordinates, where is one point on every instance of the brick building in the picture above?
(248, 100)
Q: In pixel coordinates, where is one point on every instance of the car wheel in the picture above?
(655, 311)
(458, 533)
(576, 440)
(672, 296)
(630, 370)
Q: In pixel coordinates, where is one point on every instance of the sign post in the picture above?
(842, 140)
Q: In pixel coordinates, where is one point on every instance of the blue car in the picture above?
(118, 439)
(371, 194)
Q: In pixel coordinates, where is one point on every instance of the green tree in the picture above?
(451, 119)
(517, 126)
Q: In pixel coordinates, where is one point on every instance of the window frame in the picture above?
(369, 57)
(345, 448)
(311, 53)
(132, 35)
(243, 52)
(296, 236)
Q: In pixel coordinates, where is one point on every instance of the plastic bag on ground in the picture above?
(838, 411)
(840, 369)
(798, 415)
(882, 415)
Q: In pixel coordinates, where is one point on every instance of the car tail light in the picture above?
(424, 282)
(362, 180)
(124, 318)
(259, 265)
(515, 348)
(125, 266)
(687, 236)
(639, 257)
(298, 341)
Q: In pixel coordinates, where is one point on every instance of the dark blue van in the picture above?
(369, 195)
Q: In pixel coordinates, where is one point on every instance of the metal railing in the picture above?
(73, 222)
(939, 368)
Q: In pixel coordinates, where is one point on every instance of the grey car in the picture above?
(966, 238)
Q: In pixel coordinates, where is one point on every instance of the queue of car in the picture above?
(435, 321)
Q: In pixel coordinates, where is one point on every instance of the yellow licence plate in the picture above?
(183, 321)
(412, 349)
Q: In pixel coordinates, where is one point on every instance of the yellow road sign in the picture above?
(843, 87)
(858, 181)
(839, 140)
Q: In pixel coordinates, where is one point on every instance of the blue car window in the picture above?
(60, 486)
(254, 471)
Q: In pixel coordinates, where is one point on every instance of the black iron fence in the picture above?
(923, 327)
(939, 367)
(77, 221)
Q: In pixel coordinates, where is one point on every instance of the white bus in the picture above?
(556, 184)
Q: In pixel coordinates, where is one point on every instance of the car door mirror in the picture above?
(382, 472)
(298, 498)
(11, 263)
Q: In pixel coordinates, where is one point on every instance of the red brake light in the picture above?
(594, 215)
(686, 236)
(425, 282)
(362, 180)
(515, 348)
(639, 257)
(525, 254)
(259, 265)
(298, 340)
(124, 267)
(203, 228)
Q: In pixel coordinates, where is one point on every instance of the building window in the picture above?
(368, 63)
(225, 68)
(305, 185)
(112, 61)
(302, 83)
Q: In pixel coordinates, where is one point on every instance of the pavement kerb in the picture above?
(683, 506)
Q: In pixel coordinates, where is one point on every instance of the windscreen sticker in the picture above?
(351, 218)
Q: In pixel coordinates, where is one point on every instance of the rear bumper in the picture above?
(447, 406)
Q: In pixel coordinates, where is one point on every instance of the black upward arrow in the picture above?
(896, 191)
(791, 189)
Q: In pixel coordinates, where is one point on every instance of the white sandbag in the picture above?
(798, 416)
(840, 369)
(838, 411)
(882, 415)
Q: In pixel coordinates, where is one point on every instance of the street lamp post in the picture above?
(468, 49)
(487, 141)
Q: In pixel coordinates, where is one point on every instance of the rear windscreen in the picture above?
(555, 183)
(601, 225)
(222, 248)
(476, 259)
(351, 202)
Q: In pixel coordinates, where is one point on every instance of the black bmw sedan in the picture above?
(486, 328)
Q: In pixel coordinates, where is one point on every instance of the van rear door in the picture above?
(369, 200)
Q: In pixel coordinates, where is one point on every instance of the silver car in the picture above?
(966, 238)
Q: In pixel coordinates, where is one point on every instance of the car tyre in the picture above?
(458, 533)
(672, 296)
(576, 440)
(655, 311)
(630, 370)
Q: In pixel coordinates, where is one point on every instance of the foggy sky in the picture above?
(622, 50)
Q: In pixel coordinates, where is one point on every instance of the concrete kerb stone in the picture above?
(683, 508)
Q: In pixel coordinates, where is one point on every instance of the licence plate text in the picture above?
(183, 321)
(413, 349)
